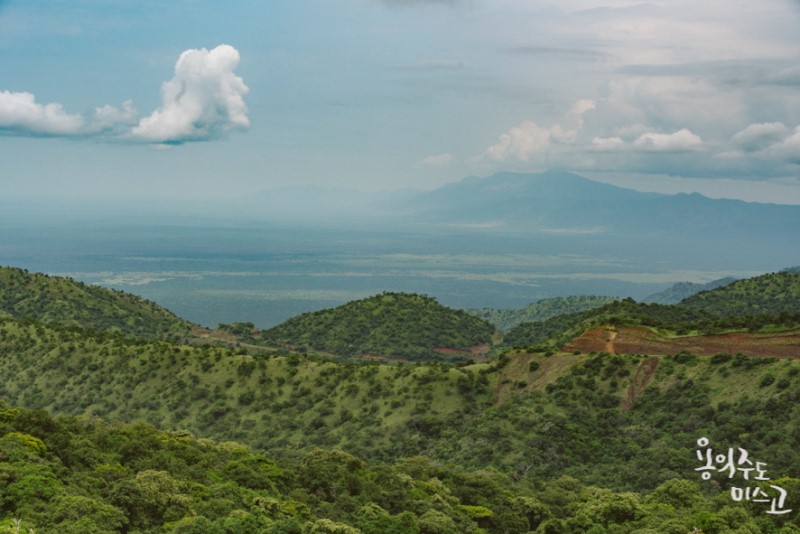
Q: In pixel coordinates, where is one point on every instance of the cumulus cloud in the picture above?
(681, 141)
(789, 149)
(522, 142)
(203, 99)
(760, 136)
(20, 113)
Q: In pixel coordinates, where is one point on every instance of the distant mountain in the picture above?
(54, 299)
(683, 290)
(391, 324)
(544, 309)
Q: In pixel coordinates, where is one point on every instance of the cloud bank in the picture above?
(203, 101)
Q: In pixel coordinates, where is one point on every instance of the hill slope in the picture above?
(770, 299)
(766, 294)
(684, 290)
(542, 310)
(391, 324)
(54, 299)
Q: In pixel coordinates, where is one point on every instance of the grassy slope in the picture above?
(54, 299)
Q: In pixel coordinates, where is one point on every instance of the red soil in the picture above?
(639, 340)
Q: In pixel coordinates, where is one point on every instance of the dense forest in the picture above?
(393, 324)
(105, 431)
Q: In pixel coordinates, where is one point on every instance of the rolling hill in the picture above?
(399, 325)
(761, 302)
(54, 299)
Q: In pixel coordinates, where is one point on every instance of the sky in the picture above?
(155, 99)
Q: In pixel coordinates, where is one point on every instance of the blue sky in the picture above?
(196, 99)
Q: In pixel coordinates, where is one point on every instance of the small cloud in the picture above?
(788, 149)
(760, 136)
(520, 143)
(439, 160)
(20, 114)
(203, 100)
(528, 139)
(680, 141)
(607, 144)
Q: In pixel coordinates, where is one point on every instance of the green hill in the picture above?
(753, 303)
(391, 324)
(542, 310)
(683, 290)
(766, 294)
(54, 299)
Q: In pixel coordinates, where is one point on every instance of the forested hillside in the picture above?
(55, 299)
(683, 290)
(542, 310)
(535, 439)
(391, 324)
(760, 302)
(769, 294)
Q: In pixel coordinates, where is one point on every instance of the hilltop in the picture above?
(399, 325)
(55, 299)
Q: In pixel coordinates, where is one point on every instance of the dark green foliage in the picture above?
(683, 290)
(764, 301)
(769, 294)
(527, 442)
(54, 299)
(542, 310)
(391, 324)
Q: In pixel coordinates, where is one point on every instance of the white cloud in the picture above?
(522, 142)
(789, 149)
(204, 99)
(439, 160)
(680, 141)
(760, 136)
(519, 143)
(21, 114)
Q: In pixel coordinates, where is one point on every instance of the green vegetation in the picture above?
(542, 310)
(756, 303)
(391, 324)
(533, 440)
(54, 299)
(769, 294)
(683, 290)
